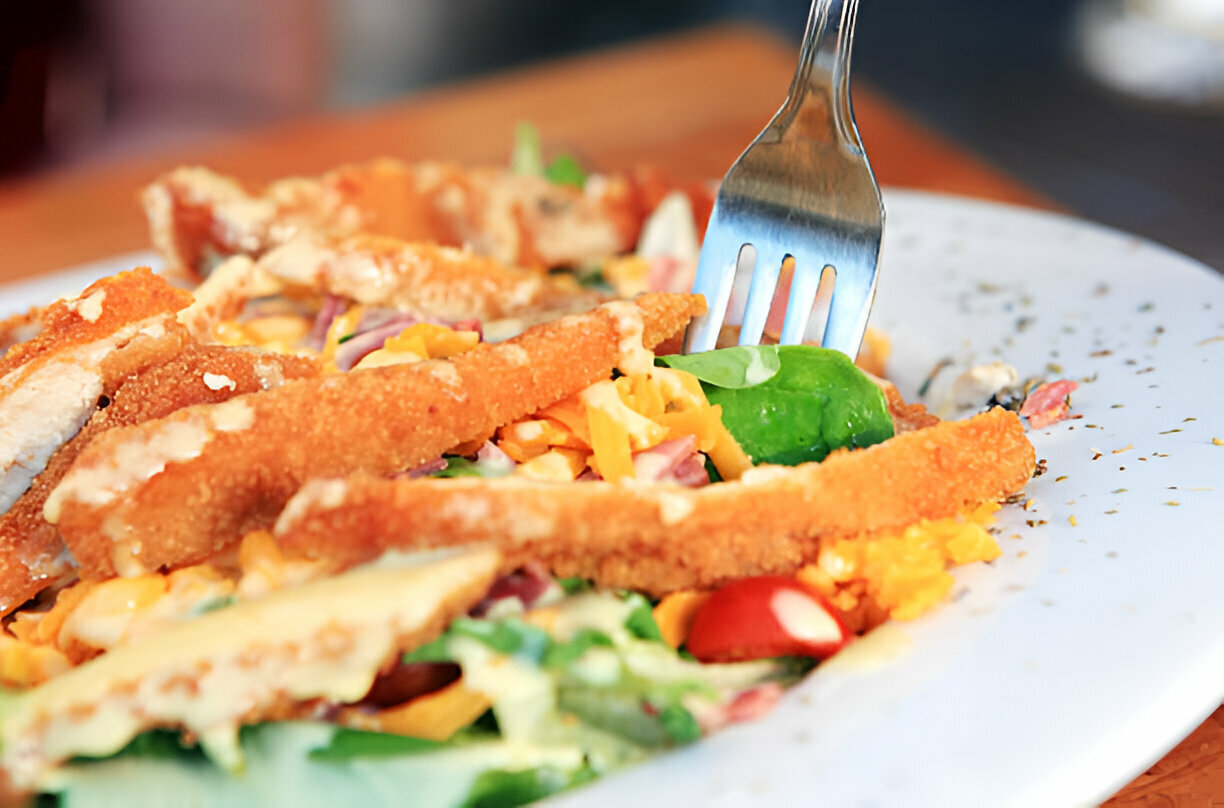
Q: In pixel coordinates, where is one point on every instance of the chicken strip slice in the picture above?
(19, 328)
(51, 385)
(658, 538)
(32, 554)
(423, 279)
(197, 216)
(177, 489)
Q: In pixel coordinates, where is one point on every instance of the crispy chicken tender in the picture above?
(20, 328)
(223, 294)
(175, 490)
(196, 215)
(423, 279)
(32, 554)
(50, 385)
(661, 538)
(906, 417)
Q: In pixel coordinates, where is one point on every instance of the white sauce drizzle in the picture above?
(632, 357)
(234, 415)
(217, 381)
(90, 307)
(132, 462)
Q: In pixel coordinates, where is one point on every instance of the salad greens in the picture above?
(790, 404)
(586, 688)
(488, 467)
(528, 158)
(501, 788)
(595, 690)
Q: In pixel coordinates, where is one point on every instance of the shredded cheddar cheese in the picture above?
(904, 574)
(342, 327)
(605, 425)
(435, 716)
(675, 612)
(419, 342)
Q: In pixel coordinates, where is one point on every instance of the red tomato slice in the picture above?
(766, 616)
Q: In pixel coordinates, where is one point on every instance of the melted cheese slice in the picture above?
(323, 640)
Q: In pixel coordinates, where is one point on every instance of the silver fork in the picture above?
(802, 189)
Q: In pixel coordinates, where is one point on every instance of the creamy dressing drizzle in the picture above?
(89, 308)
(132, 461)
(217, 381)
(325, 639)
(632, 357)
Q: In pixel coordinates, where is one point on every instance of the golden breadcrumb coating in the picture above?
(50, 385)
(196, 215)
(660, 538)
(424, 279)
(32, 554)
(103, 308)
(20, 327)
(175, 490)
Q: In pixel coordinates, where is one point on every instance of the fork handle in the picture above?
(808, 112)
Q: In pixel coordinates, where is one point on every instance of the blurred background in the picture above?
(1112, 108)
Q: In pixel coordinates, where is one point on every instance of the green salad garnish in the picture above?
(790, 404)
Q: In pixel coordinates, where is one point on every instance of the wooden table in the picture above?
(689, 104)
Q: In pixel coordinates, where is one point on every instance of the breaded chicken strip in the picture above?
(50, 385)
(423, 279)
(659, 538)
(196, 215)
(906, 417)
(20, 328)
(175, 490)
(32, 554)
(224, 293)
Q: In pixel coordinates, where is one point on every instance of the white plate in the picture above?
(1097, 641)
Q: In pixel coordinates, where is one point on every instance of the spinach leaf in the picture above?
(729, 368)
(816, 401)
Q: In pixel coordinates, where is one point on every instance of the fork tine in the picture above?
(802, 188)
(804, 284)
(715, 278)
(760, 295)
(853, 292)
